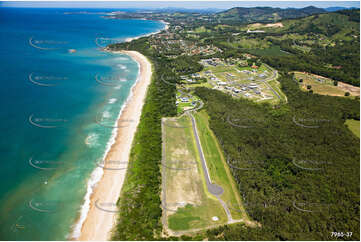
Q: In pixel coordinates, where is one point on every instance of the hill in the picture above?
(264, 14)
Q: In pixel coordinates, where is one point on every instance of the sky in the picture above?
(178, 4)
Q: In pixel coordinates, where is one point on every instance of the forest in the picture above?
(296, 165)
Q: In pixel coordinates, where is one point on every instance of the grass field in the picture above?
(188, 205)
(320, 85)
(218, 168)
(354, 126)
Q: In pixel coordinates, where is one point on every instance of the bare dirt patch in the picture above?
(354, 91)
(259, 25)
(275, 25)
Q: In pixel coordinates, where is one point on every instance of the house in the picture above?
(252, 86)
(184, 99)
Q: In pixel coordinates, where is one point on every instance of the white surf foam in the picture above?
(112, 100)
(98, 171)
(92, 140)
(106, 114)
(121, 66)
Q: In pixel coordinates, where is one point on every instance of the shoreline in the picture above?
(98, 223)
(146, 35)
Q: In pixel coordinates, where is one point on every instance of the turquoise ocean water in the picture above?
(58, 107)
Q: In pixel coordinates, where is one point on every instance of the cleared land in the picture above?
(260, 26)
(258, 84)
(324, 86)
(218, 168)
(186, 204)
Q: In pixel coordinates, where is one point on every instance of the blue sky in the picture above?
(182, 4)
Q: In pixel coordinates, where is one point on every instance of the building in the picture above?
(184, 99)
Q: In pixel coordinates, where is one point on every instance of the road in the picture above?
(214, 189)
(274, 75)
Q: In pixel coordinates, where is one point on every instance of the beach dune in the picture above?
(102, 213)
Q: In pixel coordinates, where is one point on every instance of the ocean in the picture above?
(60, 98)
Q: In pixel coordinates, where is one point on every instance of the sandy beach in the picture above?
(166, 27)
(102, 212)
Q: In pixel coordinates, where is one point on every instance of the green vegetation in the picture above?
(197, 217)
(319, 85)
(218, 168)
(285, 158)
(236, 80)
(354, 126)
(275, 50)
(329, 46)
(188, 204)
(263, 14)
(275, 182)
(140, 211)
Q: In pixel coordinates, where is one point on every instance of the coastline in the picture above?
(98, 223)
(146, 35)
